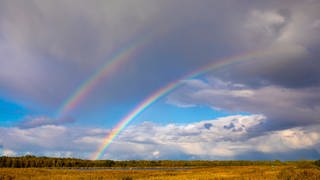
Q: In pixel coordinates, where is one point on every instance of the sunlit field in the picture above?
(219, 172)
(31, 167)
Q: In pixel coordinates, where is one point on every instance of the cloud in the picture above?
(51, 140)
(287, 29)
(221, 141)
(49, 48)
(231, 137)
(32, 122)
(265, 26)
(8, 152)
(284, 107)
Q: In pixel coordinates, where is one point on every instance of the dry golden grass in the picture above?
(229, 172)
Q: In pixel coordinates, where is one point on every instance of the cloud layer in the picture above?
(231, 137)
(283, 107)
(49, 48)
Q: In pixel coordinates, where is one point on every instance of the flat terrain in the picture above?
(219, 172)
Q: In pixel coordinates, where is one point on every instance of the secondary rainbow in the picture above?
(170, 87)
(120, 57)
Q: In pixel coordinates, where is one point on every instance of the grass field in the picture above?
(221, 172)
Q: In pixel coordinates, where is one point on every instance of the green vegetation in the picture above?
(31, 167)
(36, 162)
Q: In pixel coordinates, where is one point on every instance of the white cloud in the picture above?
(8, 152)
(223, 138)
(156, 154)
(286, 140)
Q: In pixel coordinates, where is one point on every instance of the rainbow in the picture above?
(120, 57)
(169, 88)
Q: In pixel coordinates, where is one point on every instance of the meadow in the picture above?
(39, 168)
(219, 172)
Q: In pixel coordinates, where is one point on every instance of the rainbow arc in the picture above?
(142, 106)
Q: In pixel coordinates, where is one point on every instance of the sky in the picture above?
(169, 79)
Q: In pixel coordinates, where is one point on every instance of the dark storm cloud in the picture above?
(49, 48)
(296, 28)
(293, 72)
(81, 35)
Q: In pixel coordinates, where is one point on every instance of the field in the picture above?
(219, 172)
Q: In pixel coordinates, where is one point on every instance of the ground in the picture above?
(221, 172)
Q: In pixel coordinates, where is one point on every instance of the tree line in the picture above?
(48, 162)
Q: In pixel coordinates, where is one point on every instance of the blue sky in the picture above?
(11, 112)
(257, 109)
